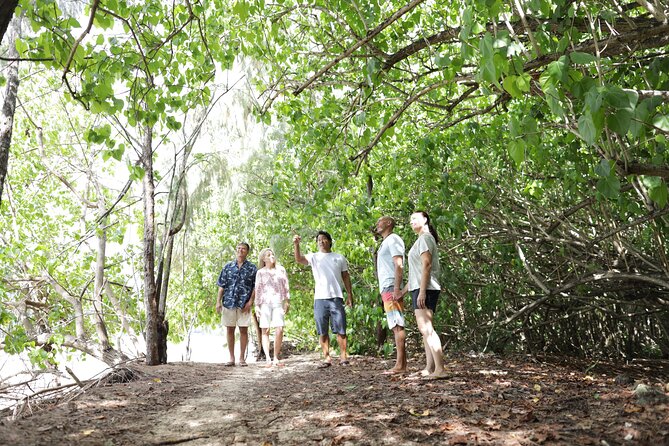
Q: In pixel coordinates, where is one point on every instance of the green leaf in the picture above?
(603, 169)
(511, 86)
(588, 128)
(617, 97)
(553, 99)
(558, 69)
(442, 61)
(21, 47)
(516, 150)
(659, 194)
(620, 121)
(609, 186)
(488, 69)
(640, 119)
(360, 118)
(580, 58)
(661, 122)
(241, 9)
(593, 100)
(523, 82)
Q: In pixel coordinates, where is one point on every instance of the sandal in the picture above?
(324, 365)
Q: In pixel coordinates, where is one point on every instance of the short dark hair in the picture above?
(324, 234)
(248, 247)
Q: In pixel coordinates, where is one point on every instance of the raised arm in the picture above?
(299, 258)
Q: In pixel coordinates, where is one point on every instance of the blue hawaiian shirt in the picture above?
(237, 283)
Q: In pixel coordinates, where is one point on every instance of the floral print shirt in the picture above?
(237, 283)
(271, 286)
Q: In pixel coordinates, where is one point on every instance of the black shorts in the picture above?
(431, 298)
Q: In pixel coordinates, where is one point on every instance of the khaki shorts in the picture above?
(234, 317)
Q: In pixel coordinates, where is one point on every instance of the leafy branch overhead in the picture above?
(545, 52)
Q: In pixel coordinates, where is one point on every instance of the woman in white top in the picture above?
(272, 301)
(424, 287)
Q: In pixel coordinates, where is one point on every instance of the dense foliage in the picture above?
(533, 132)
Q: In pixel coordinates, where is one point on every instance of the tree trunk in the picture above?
(7, 8)
(154, 329)
(79, 323)
(9, 105)
(120, 312)
(100, 326)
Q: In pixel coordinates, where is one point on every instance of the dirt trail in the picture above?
(487, 400)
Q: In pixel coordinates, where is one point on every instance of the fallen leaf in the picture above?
(416, 413)
(529, 417)
(633, 408)
(470, 407)
(446, 427)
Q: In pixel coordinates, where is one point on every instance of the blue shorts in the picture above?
(431, 298)
(330, 312)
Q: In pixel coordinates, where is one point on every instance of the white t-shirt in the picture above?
(425, 242)
(392, 246)
(327, 268)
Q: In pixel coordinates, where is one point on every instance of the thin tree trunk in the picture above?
(9, 105)
(150, 297)
(100, 326)
(120, 312)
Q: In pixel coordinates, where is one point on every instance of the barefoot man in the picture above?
(390, 268)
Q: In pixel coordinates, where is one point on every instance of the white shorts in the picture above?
(271, 316)
(234, 317)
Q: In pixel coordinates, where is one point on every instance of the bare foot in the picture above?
(437, 375)
(395, 371)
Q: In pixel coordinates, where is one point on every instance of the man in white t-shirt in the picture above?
(330, 270)
(390, 268)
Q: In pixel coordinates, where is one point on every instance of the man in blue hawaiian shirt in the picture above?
(236, 292)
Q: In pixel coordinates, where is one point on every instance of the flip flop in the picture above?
(242, 364)
(395, 372)
(435, 378)
(229, 364)
(324, 365)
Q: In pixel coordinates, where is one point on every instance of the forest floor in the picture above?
(487, 400)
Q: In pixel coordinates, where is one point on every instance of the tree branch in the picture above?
(373, 33)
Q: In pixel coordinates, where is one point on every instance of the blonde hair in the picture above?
(261, 257)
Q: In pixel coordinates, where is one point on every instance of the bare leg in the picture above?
(325, 346)
(400, 341)
(433, 352)
(341, 340)
(265, 344)
(243, 342)
(256, 325)
(278, 339)
(230, 337)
